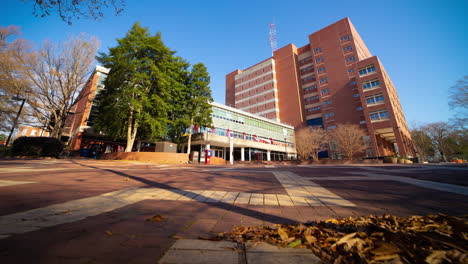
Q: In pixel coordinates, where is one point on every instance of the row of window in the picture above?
(307, 69)
(370, 84)
(311, 98)
(379, 115)
(313, 109)
(313, 87)
(325, 91)
(374, 99)
(367, 70)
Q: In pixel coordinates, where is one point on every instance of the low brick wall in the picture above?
(157, 157)
(216, 160)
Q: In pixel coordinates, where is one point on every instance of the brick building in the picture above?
(333, 79)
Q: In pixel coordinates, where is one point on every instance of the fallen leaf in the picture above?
(282, 234)
(109, 233)
(294, 243)
(156, 218)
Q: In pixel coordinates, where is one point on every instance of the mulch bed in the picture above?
(371, 239)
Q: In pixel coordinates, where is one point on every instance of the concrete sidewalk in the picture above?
(193, 251)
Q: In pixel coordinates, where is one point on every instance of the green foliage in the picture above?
(190, 105)
(37, 146)
(137, 87)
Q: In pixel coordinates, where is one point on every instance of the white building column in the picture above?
(207, 146)
(242, 154)
(231, 150)
(250, 154)
(268, 155)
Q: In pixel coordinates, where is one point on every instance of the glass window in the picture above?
(318, 60)
(379, 115)
(325, 91)
(323, 80)
(351, 70)
(355, 95)
(348, 48)
(327, 102)
(317, 50)
(321, 69)
(368, 70)
(344, 38)
(359, 108)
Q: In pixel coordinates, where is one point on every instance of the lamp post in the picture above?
(16, 98)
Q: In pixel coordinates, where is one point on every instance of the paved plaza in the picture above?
(92, 211)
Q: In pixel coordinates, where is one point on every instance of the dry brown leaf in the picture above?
(155, 218)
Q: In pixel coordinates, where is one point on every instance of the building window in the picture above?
(351, 70)
(308, 78)
(307, 69)
(327, 103)
(355, 95)
(331, 127)
(371, 84)
(362, 122)
(323, 80)
(353, 82)
(317, 50)
(325, 91)
(327, 115)
(318, 60)
(313, 109)
(375, 99)
(313, 87)
(321, 69)
(306, 60)
(367, 70)
(350, 48)
(33, 133)
(311, 98)
(344, 38)
(350, 59)
(359, 108)
(379, 115)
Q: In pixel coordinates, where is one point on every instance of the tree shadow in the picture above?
(221, 205)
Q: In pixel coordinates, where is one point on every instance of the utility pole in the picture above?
(16, 98)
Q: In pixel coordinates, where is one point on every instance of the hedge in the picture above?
(37, 146)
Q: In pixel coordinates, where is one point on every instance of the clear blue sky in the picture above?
(422, 44)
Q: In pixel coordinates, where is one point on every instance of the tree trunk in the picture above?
(189, 141)
(132, 128)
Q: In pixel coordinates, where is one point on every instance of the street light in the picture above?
(16, 98)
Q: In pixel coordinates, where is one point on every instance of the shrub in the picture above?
(37, 146)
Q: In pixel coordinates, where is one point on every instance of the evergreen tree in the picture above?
(138, 87)
(198, 99)
(191, 104)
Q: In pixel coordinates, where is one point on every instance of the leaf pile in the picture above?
(372, 239)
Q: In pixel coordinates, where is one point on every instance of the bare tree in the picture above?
(439, 133)
(309, 141)
(422, 143)
(12, 82)
(75, 9)
(458, 101)
(57, 73)
(349, 139)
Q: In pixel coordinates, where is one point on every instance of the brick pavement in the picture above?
(116, 231)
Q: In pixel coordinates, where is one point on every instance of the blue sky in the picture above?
(422, 44)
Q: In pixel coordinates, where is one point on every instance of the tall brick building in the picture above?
(333, 79)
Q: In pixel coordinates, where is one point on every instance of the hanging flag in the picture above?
(195, 128)
(255, 138)
(212, 129)
(228, 133)
(243, 135)
(271, 141)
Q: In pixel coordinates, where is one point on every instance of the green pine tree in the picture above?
(138, 87)
(190, 104)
